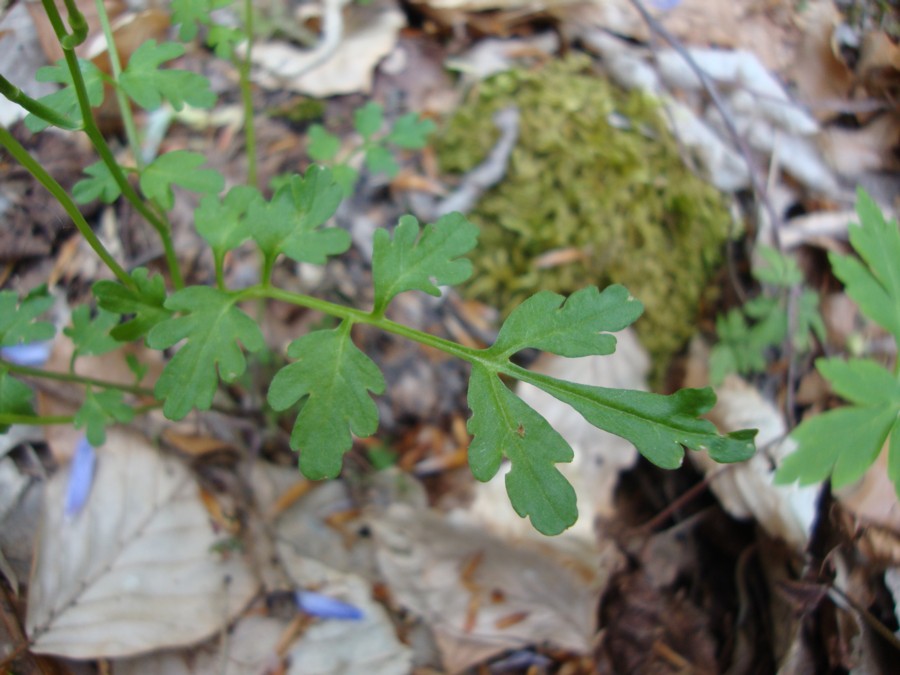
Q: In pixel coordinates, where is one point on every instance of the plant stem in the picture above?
(77, 23)
(35, 107)
(35, 420)
(48, 420)
(247, 97)
(74, 378)
(121, 98)
(22, 156)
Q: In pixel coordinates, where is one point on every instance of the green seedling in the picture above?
(842, 443)
(748, 335)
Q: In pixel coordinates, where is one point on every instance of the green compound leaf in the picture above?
(100, 410)
(222, 223)
(147, 85)
(741, 348)
(322, 146)
(368, 119)
(15, 397)
(91, 336)
(410, 132)
(413, 262)
(223, 40)
(380, 160)
(64, 101)
(874, 286)
(860, 381)
(146, 303)
(505, 426)
(333, 378)
(577, 326)
(213, 327)
(17, 319)
(101, 185)
(780, 270)
(842, 443)
(179, 167)
(290, 222)
(660, 427)
(190, 13)
(346, 177)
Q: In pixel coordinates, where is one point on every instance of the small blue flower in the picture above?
(81, 477)
(325, 607)
(31, 354)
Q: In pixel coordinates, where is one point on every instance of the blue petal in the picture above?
(81, 477)
(31, 354)
(327, 607)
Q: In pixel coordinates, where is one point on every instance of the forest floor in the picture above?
(200, 547)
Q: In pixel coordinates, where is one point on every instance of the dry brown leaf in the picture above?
(468, 586)
(370, 34)
(873, 499)
(134, 571)
(193, 445)
(746, 490)
(852, 152)
(879, 66)
(819, 72)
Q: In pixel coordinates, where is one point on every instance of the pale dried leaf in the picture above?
(852, 152)
(745, 490)
(332, 646)
(490, 56)
(329, 646)
(370, 35)
(134, 570)
(873, 499)
(742, 71)
(480, 595)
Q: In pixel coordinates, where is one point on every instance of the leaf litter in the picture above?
(374, 543)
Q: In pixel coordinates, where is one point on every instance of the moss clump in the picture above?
(596, 175)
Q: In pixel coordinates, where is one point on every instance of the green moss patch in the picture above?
(597, 177)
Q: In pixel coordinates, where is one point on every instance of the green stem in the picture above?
(121, 98)
(358, 316)
(247, 97)
(35, 107)
(48, 420)
(77, 23)
(220, 272)
(35, 420)
(27, 371)
(56, 21)
(22, 156)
